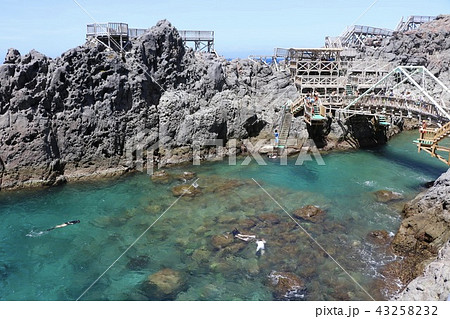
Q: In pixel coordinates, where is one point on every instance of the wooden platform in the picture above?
(429, 142)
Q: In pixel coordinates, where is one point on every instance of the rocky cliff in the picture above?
(429, 46)
(89, 110)
(423, 233)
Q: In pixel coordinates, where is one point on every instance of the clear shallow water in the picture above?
(63, 263)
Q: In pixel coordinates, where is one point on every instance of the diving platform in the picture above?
(357, 36)
(360, 35)
(114, 35)
(202, 41)
(312, 109)
(413, 23)
(118, 36)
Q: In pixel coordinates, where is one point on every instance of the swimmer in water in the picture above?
(260, 246)
(72, 222)
(236, 233)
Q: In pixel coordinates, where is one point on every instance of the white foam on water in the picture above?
(369, 183)
(34, 233)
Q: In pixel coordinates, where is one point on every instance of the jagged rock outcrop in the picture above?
(88, 111)
(429, 46)
(424, 230)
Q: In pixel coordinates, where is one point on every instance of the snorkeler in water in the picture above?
(236, 233)
(72, 222)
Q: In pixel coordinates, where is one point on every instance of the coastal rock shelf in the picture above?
(433, 284)
(424, 231)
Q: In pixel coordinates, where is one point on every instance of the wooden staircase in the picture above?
(313, 112)
(429, 142)
(297, 106)
(442, 132)
(286, 123)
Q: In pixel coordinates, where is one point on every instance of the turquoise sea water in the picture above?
(63, 263)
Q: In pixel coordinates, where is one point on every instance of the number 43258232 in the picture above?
(407, 310)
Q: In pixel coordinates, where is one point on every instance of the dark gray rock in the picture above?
(90, 109)
(429, 46)
(12, 57)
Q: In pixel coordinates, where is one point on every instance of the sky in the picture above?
(242, 28)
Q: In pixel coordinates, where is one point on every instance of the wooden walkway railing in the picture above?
(429, 142)
(371, 103)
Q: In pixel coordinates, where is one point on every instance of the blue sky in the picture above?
(241, 27)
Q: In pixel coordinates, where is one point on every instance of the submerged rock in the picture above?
(187, 176)
(185, 190)
(270, 219)
(385, 196)
(201, 255)
(228, 186)
(153, 208)
(160, 176)
(138, 263)
(4, 271)
(246, 224)
(286, 286)
(379, 237)
(226, 219)
(221, 241)
(235, 247)
(310, 213)
(164, 284)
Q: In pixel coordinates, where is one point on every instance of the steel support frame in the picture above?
(406, 71)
